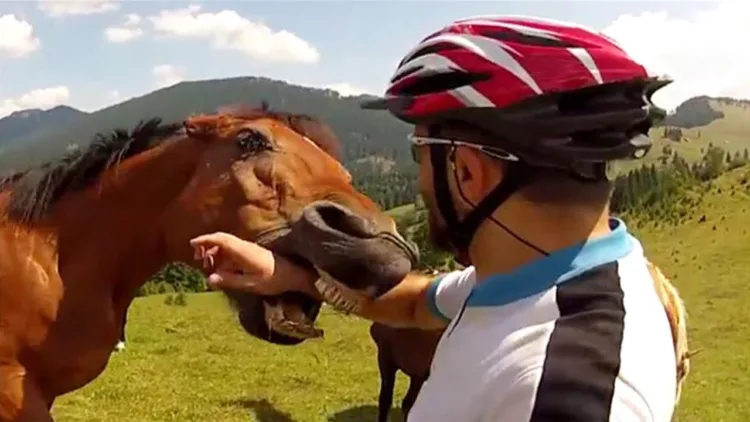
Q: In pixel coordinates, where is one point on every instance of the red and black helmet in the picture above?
(550, 92)
(546, 93)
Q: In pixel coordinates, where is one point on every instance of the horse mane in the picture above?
(35, 191)
(8, 179)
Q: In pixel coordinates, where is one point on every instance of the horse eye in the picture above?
(252, 142)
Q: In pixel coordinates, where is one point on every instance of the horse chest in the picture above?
(77, 346)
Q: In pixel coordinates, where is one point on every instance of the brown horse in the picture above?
(78, 237)
(409, 350)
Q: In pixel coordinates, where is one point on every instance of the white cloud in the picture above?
(62, 8)
(230, 31)
(43, 98)
(705, 54)
(345, 89)
(17, 37)
(128, 31)
(166, 75)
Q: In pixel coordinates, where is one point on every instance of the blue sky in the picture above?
(58, 52)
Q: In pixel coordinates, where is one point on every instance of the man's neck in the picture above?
(494, 250)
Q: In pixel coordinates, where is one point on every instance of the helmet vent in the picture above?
(517, 37)
(439, 82)
(428, 49)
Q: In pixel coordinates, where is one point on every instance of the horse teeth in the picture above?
(335, 296)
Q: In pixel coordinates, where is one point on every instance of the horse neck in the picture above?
(110, 234)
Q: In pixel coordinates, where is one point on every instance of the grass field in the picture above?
(193, 363)
(709, 264)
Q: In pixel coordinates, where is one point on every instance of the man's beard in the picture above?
(438, 233)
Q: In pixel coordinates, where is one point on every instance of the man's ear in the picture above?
(470, 173)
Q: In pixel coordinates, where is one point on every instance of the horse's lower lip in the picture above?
(301, 330)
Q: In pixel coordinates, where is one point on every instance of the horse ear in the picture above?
(201, 127)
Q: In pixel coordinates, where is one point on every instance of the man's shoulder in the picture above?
(460, 274)
(448, 292)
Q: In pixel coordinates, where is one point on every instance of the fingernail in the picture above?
(214, 279)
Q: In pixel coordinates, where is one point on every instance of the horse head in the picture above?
(274, 178)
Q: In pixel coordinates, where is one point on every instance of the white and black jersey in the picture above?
(577, 336)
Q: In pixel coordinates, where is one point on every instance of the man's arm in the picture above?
(421, 301)
(407, 305)
(428, 302)
(418, 301)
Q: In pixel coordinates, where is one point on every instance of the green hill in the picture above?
(193, 362)
(698, 123)
(706, 257)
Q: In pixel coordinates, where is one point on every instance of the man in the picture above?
(555, 317)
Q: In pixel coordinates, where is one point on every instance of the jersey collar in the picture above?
(556, 268)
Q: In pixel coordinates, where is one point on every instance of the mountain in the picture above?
(696, 125)
(25, 122)
(374, 146)
(694, 112)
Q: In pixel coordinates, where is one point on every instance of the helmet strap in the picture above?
(461, 232)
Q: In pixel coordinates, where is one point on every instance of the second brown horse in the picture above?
(405, 349)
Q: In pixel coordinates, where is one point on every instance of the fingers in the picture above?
(206, 248)
(211, 239)
(229, 279)
(223, 254)
(230, 244)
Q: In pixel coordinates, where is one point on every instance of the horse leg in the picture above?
(388, 369)
(20, 399)
(415, 384)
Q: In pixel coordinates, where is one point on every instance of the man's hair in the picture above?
(550, 186)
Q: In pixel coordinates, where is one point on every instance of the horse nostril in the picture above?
(340, 219)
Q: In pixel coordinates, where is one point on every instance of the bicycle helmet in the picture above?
(548, 93)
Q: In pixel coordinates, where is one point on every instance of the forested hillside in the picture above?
(652, 196)
(374, 147)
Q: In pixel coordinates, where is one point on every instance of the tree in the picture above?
(180, 277)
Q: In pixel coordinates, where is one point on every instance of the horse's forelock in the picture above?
(318, 132)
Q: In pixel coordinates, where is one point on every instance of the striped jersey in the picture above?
(578, 336)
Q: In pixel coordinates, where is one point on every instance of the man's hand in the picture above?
(238, 264)
(241, 265)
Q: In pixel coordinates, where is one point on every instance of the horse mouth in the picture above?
(355, 259)
(291, 321)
